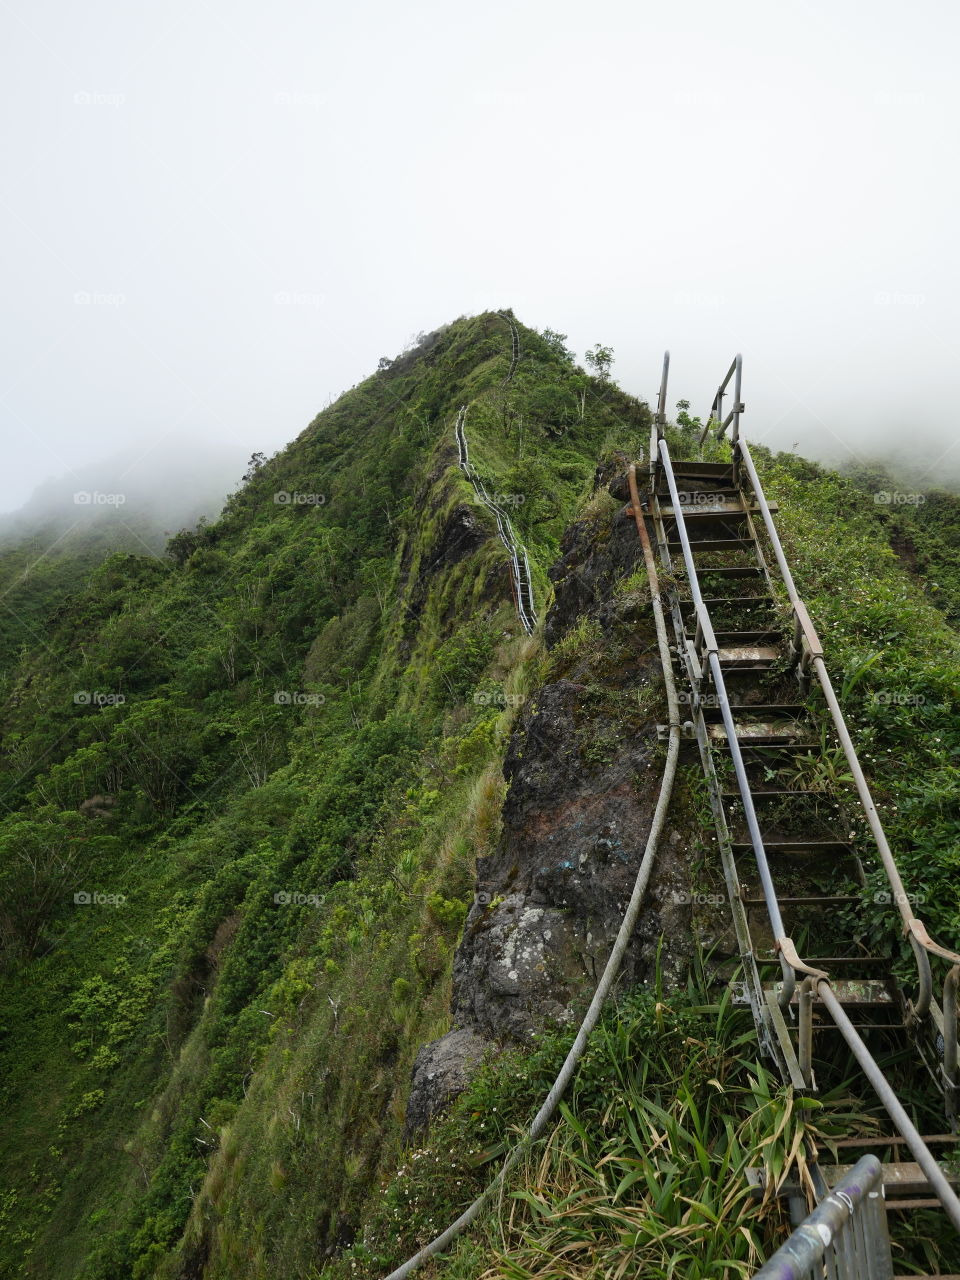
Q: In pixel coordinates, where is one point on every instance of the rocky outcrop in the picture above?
(596, 554)
(584, 769)
(442, 1070)
(551, 898)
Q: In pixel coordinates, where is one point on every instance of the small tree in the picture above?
(600, 359)
(253, 466)
(557, 344)
(182, 546)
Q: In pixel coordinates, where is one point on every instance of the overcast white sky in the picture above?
(214, 217)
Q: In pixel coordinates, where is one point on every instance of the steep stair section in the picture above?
(796, 876)
(520, 576)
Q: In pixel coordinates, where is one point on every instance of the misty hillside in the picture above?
(131, 502)
(310, 855)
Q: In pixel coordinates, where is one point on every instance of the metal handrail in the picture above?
(951, 1084)
(914, 929)
(520, 579)
(809, 644)
(894, 1108)
(660, 417)
(716, 409)
(845, 1236)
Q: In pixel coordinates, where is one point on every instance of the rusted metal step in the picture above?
(895, 1205)
(707, 506)
(783, 710)
(901, 1180)
(829, 964)
(904, 1178)
(733, 571)
(691, 467)
(833, 900)
(712, 504)
(691, 491)
(767, 601)
(715, 544)
(858, 993)
(868, 1026)
(814, 846)
(930, 1275)
(770, 732)
(749, 656)
(886, 1140)
(766, 793)
(734, 638)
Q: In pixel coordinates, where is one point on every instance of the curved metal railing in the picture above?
(844, 1238)
(514, 347)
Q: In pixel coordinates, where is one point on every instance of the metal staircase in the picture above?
(765, 717)
(521, 579)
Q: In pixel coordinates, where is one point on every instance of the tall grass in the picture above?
(650, 1177)
(645, 1172)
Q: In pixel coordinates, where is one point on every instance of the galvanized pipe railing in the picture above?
(845, 1237)
(716, 409)
(894, 1108)
(660, 418)
(808, 642)
(951, 1084)
(809, 648)
(521, 579)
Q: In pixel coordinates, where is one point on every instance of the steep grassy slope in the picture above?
(129, 503)
(39, 569)
(263, 760)
(923, 524)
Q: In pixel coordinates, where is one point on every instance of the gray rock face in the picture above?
(584, 772)
(584, 577)
(551, 898)
(442, 1070)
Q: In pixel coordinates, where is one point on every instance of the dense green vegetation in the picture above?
(644, 1173)
(923, 525)
(262, 759)
(647, 1171)
(39, 569)
(895, 661)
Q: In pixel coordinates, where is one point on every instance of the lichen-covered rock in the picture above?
(585, 575)
(551, 898)
(442, 1070)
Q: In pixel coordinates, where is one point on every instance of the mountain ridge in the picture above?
(292, 765)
